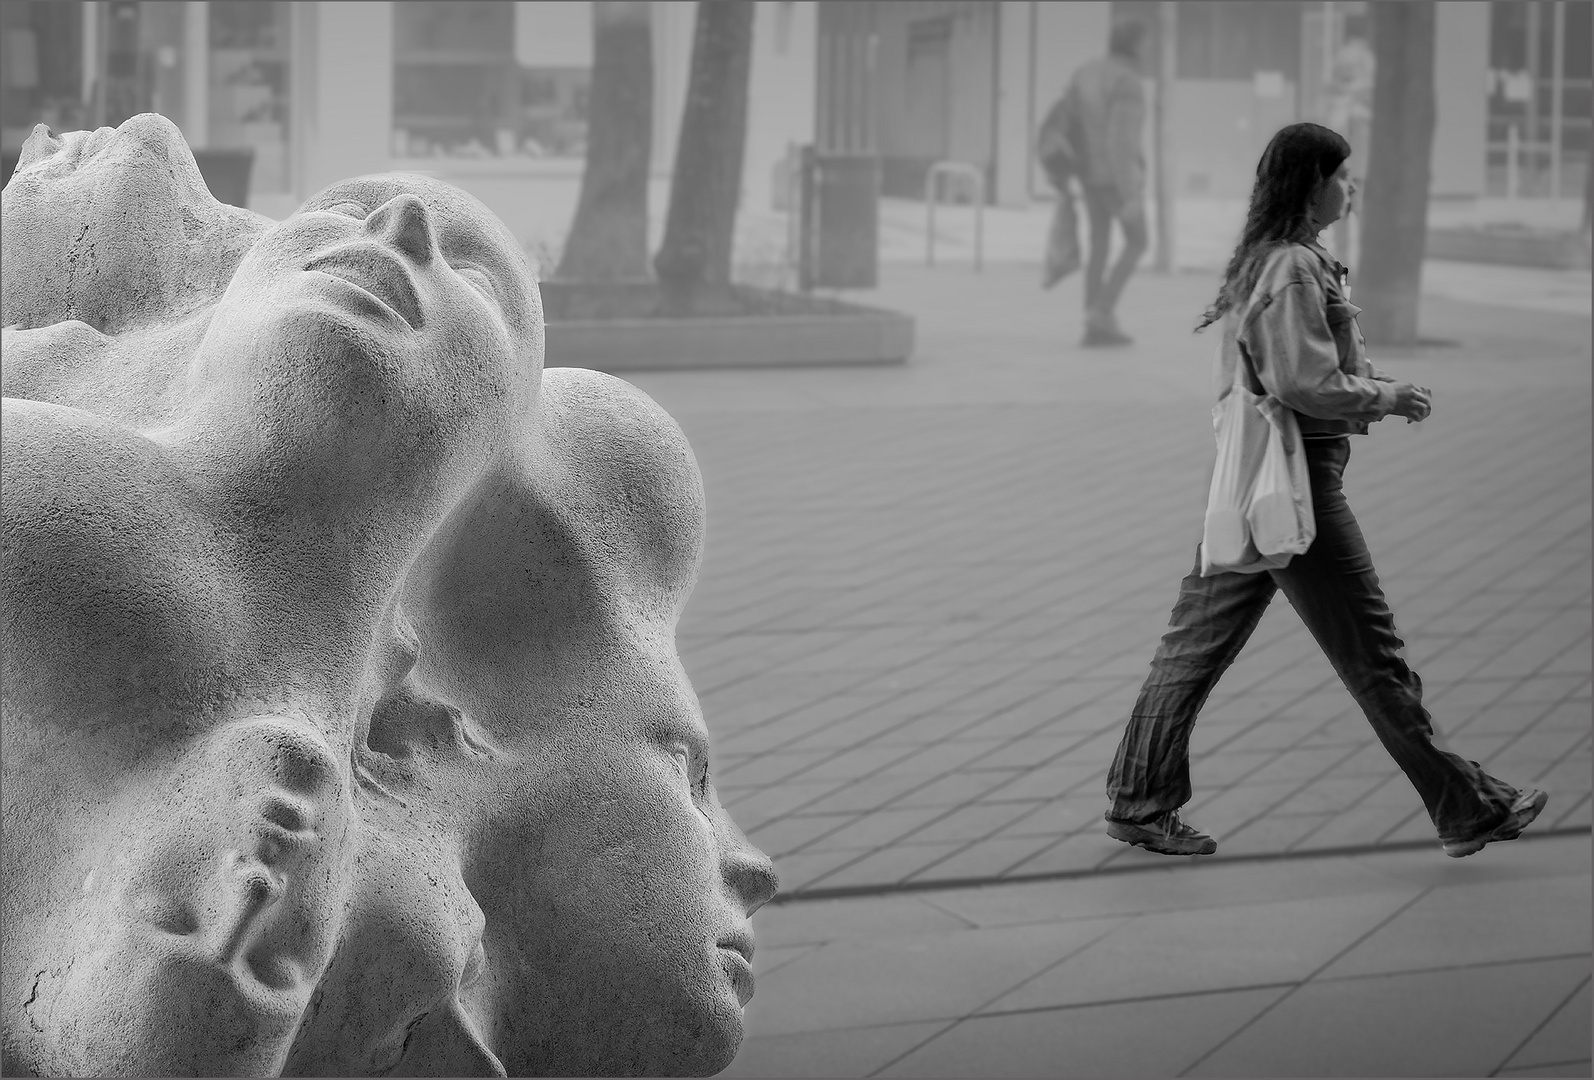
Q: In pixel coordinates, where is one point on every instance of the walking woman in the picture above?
(1283, 304)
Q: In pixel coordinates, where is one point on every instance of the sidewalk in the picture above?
(1371, 965)
(930, 593)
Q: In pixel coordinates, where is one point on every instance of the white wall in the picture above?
(353, 93)
(1066, 36)
(780, 95)
(1461, 58)
(1015, 135)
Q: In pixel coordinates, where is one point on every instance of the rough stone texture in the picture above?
(344, 730)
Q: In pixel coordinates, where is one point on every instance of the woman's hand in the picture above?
(1413, 402)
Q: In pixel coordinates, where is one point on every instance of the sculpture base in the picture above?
(629, 326)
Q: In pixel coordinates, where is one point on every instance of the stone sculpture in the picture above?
(344, 730)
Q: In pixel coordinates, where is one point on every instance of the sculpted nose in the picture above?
(404, 222)
(749, 872)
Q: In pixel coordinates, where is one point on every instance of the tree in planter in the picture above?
(706, 186)
(608, 238)
(1395, 214)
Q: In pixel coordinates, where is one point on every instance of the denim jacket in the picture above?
(1299, 331)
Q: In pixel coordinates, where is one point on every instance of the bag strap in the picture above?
(1245, 376)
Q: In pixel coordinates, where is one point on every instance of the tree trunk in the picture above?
(1395, 211)
(608, 238)
(706, 186)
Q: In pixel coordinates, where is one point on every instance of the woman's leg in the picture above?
(1335, 590)
(1211, 622)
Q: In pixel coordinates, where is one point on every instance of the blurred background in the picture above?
(280, 99)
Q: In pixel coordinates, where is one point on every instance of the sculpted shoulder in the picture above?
(115, 594)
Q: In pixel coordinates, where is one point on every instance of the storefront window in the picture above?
(248, 105)
(1525, 144)
(491, 80)
(41, 69)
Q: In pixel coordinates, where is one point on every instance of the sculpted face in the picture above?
(421, 785)
(392, 304)
(548, 725)
(116, 228)
(385, 270)
(640, 898)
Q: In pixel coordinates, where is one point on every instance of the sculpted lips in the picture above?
(739, 963)
(378, 273)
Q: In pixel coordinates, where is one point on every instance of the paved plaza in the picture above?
(929, 595)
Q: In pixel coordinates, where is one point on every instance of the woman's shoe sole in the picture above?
(1136, 836)
(1511, 828)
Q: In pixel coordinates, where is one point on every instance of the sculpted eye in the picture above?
(478, 277)
(349, 208)
(683, 761)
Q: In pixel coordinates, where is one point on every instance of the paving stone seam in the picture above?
(1291, 991)
(1516, 1070)
(959, 1020)
(937, 777)
(1113, 925)
(1574, 808)
(1014, 867)
(1541, 1026)
(1140, 1000)
(1543, 958)
(805, 894)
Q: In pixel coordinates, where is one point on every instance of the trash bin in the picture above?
(840, 221)
(226, 173)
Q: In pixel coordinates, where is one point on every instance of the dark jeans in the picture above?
(1102, 204)
(1335, 591)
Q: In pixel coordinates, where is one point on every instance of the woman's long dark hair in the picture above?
(1296, 160)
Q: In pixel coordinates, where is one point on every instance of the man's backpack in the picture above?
(1059, 145)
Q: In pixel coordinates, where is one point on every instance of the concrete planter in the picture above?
(1510, 246)
(618, 328)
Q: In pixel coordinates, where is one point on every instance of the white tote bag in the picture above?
(1259, 507)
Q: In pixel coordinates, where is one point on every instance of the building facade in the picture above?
(492, 95)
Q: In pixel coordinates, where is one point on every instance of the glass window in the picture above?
(1233, 39)
(249, 85)
(1522, 91)
(41, 69)
(491, 79)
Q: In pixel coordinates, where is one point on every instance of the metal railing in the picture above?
(932, 191)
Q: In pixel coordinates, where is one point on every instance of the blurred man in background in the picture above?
(1109, 107)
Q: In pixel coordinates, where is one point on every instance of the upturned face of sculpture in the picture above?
(387, 333)
(115, 227)
(385, 271)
